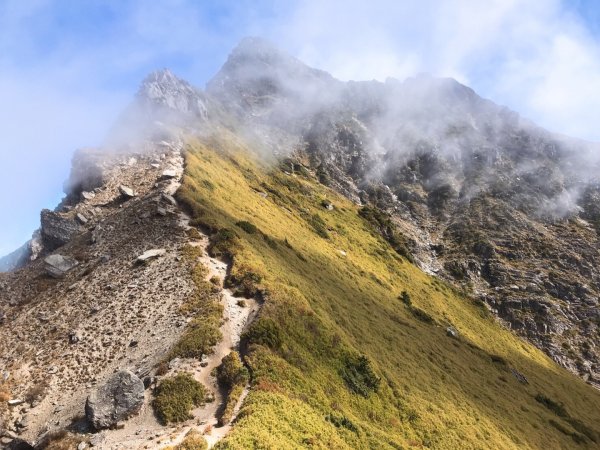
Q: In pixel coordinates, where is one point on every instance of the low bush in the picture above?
(224, 243)
(341, 421)
(245, 281)
(422, 315)
(193, 441)
(318, 225)
(557, 408)
(175, 397)
(405, 297)
(248, 227)
(359, 375)
(232, 371)
(264, 332)
(382, 222)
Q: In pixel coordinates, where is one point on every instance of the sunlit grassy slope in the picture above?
(331, 294)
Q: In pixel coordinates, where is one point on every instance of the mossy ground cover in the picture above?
(332, 290)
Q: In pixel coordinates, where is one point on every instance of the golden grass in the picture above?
(321, 305)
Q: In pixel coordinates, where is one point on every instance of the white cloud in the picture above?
(535, 56)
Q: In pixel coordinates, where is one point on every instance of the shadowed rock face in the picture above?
(118, 399)
(487, 199)
(57, 230)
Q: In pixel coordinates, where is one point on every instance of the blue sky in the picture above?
(67, 68)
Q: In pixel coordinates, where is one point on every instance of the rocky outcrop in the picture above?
(56, 230)
(118, 399)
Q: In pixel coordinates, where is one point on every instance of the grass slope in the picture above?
(332, 289)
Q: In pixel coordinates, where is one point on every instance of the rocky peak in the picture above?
(258, 77)
(165, 90)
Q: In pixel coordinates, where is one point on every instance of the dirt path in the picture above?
(144, 431)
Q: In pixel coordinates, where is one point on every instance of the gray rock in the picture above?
(126, 192)
(97, 439)
(88, 195)
(150, 254)
(169, 199)
(57, 265)
(57, 230)
(81, 219)
(118, 399)
(74, 337)
(169, 173)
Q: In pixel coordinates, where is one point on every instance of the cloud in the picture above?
(537, 57)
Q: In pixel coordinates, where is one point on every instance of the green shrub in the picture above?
(422, 315)
(341, 421)
(175, 397)
(224, 243)
(264, 332)
(578, 438)
(193, 441)
(405, 297)
(359, 375)
(232, 372)
(382, 222)
(199, 338)
(498, 360)
(319, 226)
(248, 227)
(245, 281)
(557, 408)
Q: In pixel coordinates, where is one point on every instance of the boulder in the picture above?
(150, 254)
(87, 195)
(57, 265)
(121, 397)
(169, 173)
(451, 332)
(57, 230)
(81, 219)
(126, 192)
(169, 199)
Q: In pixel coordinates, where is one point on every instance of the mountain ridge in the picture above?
(315, 205)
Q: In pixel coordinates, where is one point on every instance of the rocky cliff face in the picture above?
(487, 199)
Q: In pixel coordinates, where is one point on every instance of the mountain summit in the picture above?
(286, 260)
